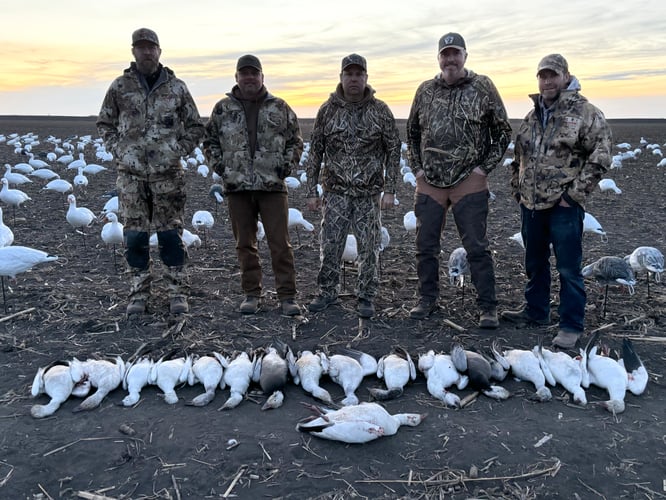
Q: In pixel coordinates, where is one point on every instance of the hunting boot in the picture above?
(139, 294)
(178, 286)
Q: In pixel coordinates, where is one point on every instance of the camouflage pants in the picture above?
(341, 215)
(160, 204)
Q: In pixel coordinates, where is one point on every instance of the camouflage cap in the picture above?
(354, 59)
(248, 61)
(454, 40)
(145, 35)
(554, 62)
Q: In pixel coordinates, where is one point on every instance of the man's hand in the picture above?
(388, 201)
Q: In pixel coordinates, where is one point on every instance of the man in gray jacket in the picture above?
(457, 133)
(253, 141)
(149, 120)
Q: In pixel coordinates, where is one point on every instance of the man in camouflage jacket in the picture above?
(355, 135)
(253, 141)
(457, 133)
(149, 121)
(563, 147)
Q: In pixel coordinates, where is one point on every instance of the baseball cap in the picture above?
(352, 59)
(145, 35)
(452, 40)
(554, 62)
(248, 60)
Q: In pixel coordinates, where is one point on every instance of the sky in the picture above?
(59, 58)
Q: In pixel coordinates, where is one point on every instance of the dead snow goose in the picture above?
(440, 374)
(397, 369)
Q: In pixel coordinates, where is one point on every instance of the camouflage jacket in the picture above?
(566, 158)
(278, 148)
(452, 129)
(357, 142)
(148, 131)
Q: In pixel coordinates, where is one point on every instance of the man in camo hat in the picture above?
(253, 141)
(149, 121)
(457, 133)
(563, 148)
(356, 138)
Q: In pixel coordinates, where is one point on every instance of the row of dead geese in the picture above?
(352, 422)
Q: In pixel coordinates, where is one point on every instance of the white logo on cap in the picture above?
(448, 40)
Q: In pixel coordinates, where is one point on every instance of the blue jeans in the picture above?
(563, 227)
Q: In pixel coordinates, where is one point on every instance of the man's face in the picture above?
(147, 57)
(353, 79)
(550, 84)
(452, 63)
(249, 80)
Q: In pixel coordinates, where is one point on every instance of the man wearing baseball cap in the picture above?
(149, 120)
(253, 142)
(563, 148)
(457, 133)
(356, 138)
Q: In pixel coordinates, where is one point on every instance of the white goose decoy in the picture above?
(480, 371)
(307, 370)
(112, 233)
(348, 369)
(349, 255)
(610, 270)
(518, 238)
(208, 371)
(93, 169)
(79, 217)
(560, 368)
(12, 197)
(57, 383)
(59, 186)
(46, 174)
(80, 180)
(6, 234)
(409, 178)
(261, 232)
(356, 424)
(75, 164)
(397, 369)
(591, 225)
(292, 182)
(36, 163)
(14, 178)
(168, 373)
(216, 192)
(238, 376)
(297, 220)
(609, 185)
(648, 259)
(137, 376)
(23, 168)
(111, 205)
(409, 221)
(440, 374)
(458, 267)
(523, 365)
(271, 371)
(18, 259)
(203, 220)
(102, 374)
(203, 170)
(190, 239)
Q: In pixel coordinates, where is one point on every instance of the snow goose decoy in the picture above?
(79, 217)
(648, 259)
(18, 259)
(591, 225)
(349, 254)
(46, 174)
(409, 221)
(59, 186)
(607, 185)
(610, 270)
(271, 371)
(480, 371)
(207, 370)
(14, 178)
(440, 374)
(203, 220)
(297, 220)
(306, 371)
(80, 181)
(57, 383)
(347, 369)
(168, 372)
(112, 233)
(100, 373)
(216, 192)
(397, 369)
(12, 197)
(560, 368)
(6, 234)
(356, 424)
(523, 365)
(238, 376)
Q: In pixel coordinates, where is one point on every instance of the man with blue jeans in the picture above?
(563, 147)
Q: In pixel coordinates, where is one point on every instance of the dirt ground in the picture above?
(517, 448)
